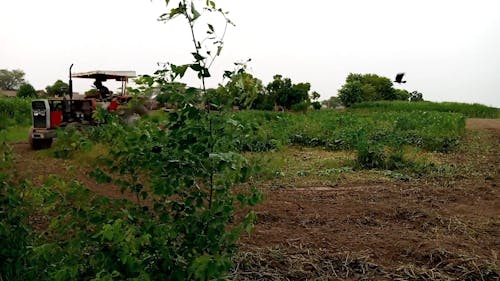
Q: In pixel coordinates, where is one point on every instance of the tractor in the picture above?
(49, 114)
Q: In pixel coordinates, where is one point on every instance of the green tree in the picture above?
(26, 91)
(279, 88)
(287, 94)
(244, 89)
(169, 90)
(264, 101)
(314, 100)
(11, 80)
(402, 94)
(58, 89)
(381, 87)
(300, 95)
(351, 93)
(367, 87)
(315, 95)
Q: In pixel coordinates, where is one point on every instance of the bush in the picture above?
(15, 235)
(301, 106)
(69, 142)
(371, 156)
(15, 111)
(26, 91)
(316, 105)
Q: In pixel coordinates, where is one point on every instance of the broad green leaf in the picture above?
(198, 57)
(195, 13)
(196, 67)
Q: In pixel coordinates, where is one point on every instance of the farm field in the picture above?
(422, 204)
(442, 228)
(283, 160)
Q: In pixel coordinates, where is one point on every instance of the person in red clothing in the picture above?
(113, 105)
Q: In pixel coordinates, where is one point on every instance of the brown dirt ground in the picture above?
(440, 228)
(32, 166)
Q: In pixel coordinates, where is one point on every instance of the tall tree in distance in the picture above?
(287, 94)
(11, 80)
(369, 87)
(59, 89)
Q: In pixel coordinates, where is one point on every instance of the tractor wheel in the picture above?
(37, 144)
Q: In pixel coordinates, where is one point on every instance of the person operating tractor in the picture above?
(103, 90)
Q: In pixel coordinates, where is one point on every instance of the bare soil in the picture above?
(33, 166)
(435, 228)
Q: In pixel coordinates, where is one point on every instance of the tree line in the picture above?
(13, 80)
(244, 91)
(371, 87)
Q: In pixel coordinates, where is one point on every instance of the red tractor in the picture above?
(48, 114)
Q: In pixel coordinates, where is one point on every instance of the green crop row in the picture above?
(14, 111)
(433, 131)
(469, 110)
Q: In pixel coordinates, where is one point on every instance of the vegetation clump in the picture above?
(371, 87)
(469, 110)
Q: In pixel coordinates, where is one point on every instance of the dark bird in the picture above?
(399, 78)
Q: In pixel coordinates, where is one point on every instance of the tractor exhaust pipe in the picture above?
(70, 88)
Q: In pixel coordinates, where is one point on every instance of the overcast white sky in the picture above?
(449, 49)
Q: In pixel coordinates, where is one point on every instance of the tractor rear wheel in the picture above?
(37, 144)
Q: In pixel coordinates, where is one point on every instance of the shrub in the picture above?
(371, 156)
(301, 106)
(316, 105)
(15, 111)
(26, 91)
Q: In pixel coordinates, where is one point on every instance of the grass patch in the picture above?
(15, 134)
(14, 112)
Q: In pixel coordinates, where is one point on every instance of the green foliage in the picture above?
(183, 161)
(14, 111)
(243, 89)
(168, 90)
(371, 156)
(287, 94)
(15, 234)
(316, 105)
(11, 79)
(184, 166)
(91, 93)
(401, 94)
(69, 142)
(351, 93)
(26, 91)
(469, 110)
(369, 87)
(301, 106)
(58, 89)
(333, 130)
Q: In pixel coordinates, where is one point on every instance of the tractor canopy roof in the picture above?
(103, 75)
